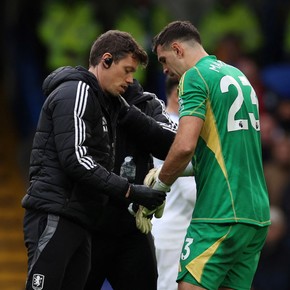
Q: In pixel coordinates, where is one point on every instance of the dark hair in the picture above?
(119, 44)
(170, 84)
(176, 30)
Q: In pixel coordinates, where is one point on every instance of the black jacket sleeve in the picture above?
(79, 138)
(153, 131)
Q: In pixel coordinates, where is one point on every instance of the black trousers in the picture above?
(128, 262)
(59, 252)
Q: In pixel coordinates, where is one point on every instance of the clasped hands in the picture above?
(144, 215)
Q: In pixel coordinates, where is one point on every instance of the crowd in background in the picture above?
(251, 35)
(272, 89)
(40, 36)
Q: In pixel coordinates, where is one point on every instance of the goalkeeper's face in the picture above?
(171, 60)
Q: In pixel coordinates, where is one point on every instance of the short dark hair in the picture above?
(176, 30)
(119, 44)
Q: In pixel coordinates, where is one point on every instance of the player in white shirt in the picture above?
(170, 230)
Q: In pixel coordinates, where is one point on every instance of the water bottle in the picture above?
(128, 169)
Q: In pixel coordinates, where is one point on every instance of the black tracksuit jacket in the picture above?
(73, 149)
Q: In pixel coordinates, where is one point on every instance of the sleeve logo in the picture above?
(37, 281)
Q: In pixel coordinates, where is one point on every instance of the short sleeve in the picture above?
(193, 94)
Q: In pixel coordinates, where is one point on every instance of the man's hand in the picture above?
(157, 212)
(144, 216)
(143, 222)
(152, 180)
(151, 176)
(143, 195)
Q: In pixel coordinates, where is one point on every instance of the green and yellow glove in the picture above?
(143, 221)
(144, 215)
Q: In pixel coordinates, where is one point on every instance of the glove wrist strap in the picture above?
(159, 185)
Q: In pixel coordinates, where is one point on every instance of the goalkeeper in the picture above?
(219, 133)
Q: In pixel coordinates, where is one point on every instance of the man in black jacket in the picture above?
(120, 252)
(71, 162)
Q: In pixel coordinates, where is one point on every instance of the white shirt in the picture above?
(169, 231)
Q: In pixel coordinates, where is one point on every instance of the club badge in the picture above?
(37, 281)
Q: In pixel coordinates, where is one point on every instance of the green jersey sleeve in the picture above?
(193, 95)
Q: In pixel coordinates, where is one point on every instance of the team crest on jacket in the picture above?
(37, 281)
(105, 125)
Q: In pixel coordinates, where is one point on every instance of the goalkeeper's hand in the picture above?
(143, 222)
(151, 180)
(144, 216)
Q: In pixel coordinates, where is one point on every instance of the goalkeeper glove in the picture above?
(143, 223)
(152, 180)
(144, 216)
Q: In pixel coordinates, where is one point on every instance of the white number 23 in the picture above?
(235, 124)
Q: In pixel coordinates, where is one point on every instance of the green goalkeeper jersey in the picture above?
(227, 161)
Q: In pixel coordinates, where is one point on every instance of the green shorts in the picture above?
(221, 255)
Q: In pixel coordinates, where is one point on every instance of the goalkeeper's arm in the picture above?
(152, 180)
(182, 149)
